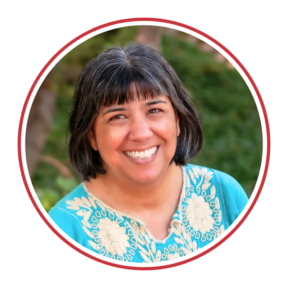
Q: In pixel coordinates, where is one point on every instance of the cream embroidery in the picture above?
(198, 214)
(113, 236)
(202, 214)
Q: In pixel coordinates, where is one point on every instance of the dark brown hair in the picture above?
(106, 80)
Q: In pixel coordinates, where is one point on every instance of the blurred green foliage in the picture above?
(231, 124)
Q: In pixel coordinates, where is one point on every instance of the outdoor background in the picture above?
(231, 124)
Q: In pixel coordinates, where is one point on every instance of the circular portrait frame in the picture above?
(140, 20)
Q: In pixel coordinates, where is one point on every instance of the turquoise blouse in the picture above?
(210, 202)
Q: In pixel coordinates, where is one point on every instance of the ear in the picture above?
(92, 140)
(177, 126)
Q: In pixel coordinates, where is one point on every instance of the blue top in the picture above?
(210, 202)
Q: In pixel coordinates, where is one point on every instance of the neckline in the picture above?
(176, 218)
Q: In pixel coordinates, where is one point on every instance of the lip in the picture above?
(147, 160)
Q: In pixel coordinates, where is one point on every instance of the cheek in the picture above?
(166, 129)
(109, 140)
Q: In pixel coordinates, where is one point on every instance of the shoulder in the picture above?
(78, 192)
(215, 176)
(213, 182)
(61, 206)
(67, 211)
(71, 204)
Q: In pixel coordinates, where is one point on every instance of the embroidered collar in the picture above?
(175, 221)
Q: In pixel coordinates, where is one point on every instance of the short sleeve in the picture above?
(234, 196)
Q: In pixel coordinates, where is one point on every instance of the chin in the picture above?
(145, 178)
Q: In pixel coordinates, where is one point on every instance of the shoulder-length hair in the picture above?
(106, 80)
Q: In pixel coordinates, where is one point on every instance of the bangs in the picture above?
(126, 84)
(119, 76)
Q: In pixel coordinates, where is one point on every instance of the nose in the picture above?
(140, 129)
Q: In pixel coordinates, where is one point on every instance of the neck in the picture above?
(137, 199)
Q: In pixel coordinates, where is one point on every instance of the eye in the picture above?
(154, 110)
(116, 117)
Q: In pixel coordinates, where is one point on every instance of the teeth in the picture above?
(143, 154)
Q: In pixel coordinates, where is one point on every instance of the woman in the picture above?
(133, 129)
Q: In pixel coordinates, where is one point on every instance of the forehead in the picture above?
(137, 102)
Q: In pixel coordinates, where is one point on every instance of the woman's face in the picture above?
(136, 140)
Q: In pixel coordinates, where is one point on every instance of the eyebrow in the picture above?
(155, 102)
(116, 109)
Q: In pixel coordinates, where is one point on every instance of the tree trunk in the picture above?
(150, 36)
(39, 121)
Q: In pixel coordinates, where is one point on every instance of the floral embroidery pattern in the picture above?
(120, 237)
(184, 239)
(113, 237)
(198, 214)
(146, 245)
(201, 212)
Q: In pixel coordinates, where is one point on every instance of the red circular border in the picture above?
(161, 21)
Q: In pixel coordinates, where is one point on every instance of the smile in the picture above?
(143, 154)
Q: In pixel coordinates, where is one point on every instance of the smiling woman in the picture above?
(142, 139)
(133, 129)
